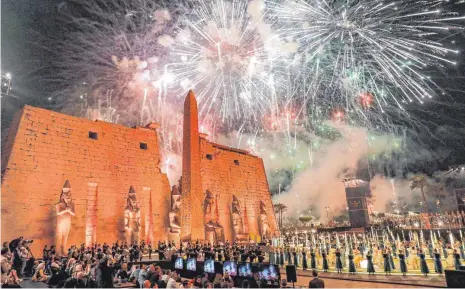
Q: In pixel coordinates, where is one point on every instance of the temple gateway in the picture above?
(67, 181)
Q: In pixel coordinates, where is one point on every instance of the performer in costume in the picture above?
(387, 263)
(352, 269)
(338, 261)
(457, 260)
(437, 262)
(313, 259)
(403, 265)
(304, 259)
(325, 262)
(423, 264)
(370, 265)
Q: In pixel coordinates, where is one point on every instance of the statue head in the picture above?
(235, 205)
(262, 208)
(65, 196)
(175, 198)
(209, 199)
(131, 201)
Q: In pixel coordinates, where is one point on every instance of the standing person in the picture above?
(296, 261)
(456, 260)
(272, 256)
(338, 261)
(387, 263)
(437, 262)
(391, 260)
(316, 282)
(370, 265)
(288, 256)
(352, 269)
(402, 263)
(304, 259)
(281, 257)
(313, 259)
(150, 251)
(325, 261)
(104, 274)
(423, 265)
(23, 254)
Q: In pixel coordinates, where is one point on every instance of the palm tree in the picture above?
(279, 209)
(420, 182)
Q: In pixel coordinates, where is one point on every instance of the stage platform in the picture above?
(434, 281)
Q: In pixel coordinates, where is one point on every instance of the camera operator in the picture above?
(27, 259)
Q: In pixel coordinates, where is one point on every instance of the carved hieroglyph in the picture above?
(65, 211)
(132, 218)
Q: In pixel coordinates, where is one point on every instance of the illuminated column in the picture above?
(91, 214)
(148, 216)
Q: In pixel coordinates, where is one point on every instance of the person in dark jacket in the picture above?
(316, 282)
(104, 274)
(78, 282)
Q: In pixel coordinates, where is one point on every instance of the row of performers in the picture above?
(339, 258)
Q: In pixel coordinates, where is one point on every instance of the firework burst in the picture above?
(223, 54)
(371, 58)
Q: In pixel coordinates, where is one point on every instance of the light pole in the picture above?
(327, 214)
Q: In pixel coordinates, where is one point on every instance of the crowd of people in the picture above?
(372, 253)
(447, 220)
(107, 266)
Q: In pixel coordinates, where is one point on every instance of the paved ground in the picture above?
(334, 280)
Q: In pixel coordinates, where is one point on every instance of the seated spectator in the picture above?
(122, 273)
(142, 274)
(39, 275)
(171, 283)
(9, 276)
(147, 284)
(316, 282)
(245, 284)
(227, 281)
(283, 283)
(198, 282)
(76, 282)
(58, 275)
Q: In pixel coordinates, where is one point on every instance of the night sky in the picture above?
(26, 23)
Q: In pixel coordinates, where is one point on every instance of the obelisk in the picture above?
(192, 225)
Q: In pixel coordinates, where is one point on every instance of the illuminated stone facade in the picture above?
(102, 161)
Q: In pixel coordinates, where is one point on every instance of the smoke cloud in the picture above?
(321, 185)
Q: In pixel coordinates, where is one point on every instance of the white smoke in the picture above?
(321, 185)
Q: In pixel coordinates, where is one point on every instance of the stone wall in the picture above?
(46, 148)
(227, 172)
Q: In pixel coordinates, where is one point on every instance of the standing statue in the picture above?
(65, 211)
(264, 223)
(175, 224)
(213, 230)
(132, 218)
(237, 221)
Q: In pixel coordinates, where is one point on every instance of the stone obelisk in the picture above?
(192, 225)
